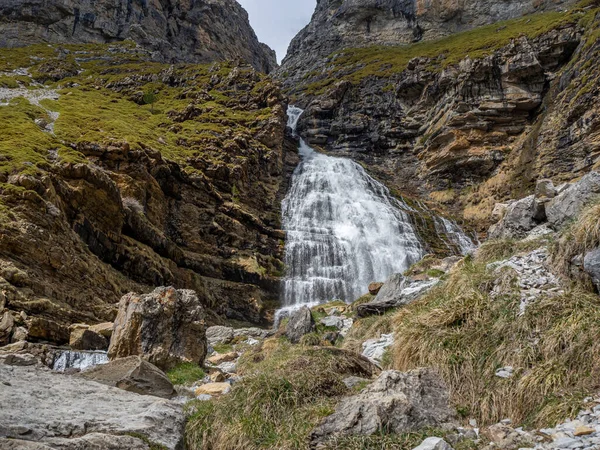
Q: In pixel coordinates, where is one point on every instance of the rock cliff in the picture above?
(187, 31)
(341, 24)
(122, 175)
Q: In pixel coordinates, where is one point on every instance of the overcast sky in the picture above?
(276, 22)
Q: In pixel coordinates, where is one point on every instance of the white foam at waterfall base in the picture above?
(82, 360)
(344, 230)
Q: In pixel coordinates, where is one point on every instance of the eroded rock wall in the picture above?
(187, 31)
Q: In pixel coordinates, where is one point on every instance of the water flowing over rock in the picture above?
(78, 360)
(344, 229)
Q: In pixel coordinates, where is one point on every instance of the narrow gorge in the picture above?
(390, 240)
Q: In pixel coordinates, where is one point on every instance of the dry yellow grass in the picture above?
(467, 335)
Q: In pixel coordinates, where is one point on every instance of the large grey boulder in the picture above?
(567, 205)
(132, 374)
(396, 402)
(519, 218)
(397, 291)
(591, 265)
(44, 406)
(165, 327)
(219, 335)
(301, 322)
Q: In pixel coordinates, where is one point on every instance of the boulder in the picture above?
(433, 443)
(165, 327)
(92, 441)
(567, 205)
(219, 335)
(83, 338)
(591, 265)
(105, 329)
(48, 407)
(223, 358)
(374, 288)
(132, 374)
(7, 323)
(301, 322)
(257, 333)
(213, 389)
(396, 402)
(19, 334)
(518, 219)
(333, 322)
(47, 330)
(545, 189)
(397, 291)
(374, 349)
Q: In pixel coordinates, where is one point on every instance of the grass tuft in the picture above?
(185, 373)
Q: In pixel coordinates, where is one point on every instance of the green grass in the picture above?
(185, 373)
(286, 390)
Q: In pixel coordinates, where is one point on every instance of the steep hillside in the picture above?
(468, 120)
(193, 32)
(119, 175)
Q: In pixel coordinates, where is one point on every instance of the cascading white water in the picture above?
(344, 229)
(82, 360)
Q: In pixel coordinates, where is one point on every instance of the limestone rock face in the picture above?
(569, 203)
(339, 24)
(396, 402)
(126, 217)
(301, 322)
(38, 406)
(132, 374)
(201, 31)
(165, 327)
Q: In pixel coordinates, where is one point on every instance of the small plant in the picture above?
(149, 99)
(185, 373)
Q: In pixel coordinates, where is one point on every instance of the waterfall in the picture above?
(82, 360)
(344, 229)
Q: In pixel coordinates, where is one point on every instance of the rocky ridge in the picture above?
(174, 32)
(342, 24)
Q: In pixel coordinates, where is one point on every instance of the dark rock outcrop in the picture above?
(189, 31)
(165, 327)
(396, 402)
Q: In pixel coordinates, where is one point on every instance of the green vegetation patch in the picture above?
(286, 390)
(185, 373)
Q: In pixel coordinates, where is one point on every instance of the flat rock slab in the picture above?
(41, 405)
